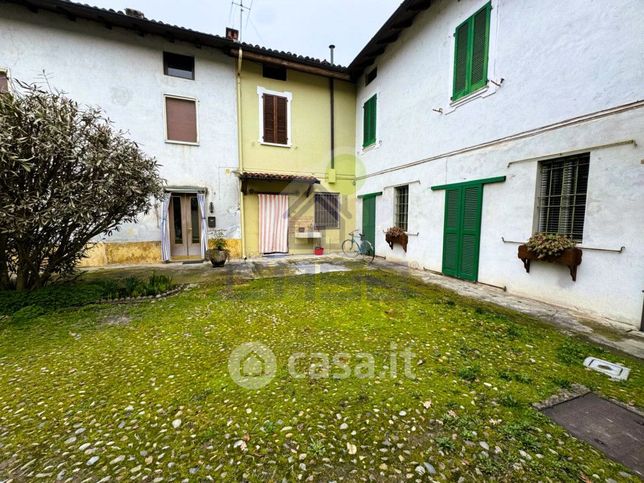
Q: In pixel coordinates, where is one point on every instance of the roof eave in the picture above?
(400, 20)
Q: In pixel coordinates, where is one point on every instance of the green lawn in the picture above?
(143, 390)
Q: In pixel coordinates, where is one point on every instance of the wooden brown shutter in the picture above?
(275, 119)
(269, 118)
(4, 83)
(181, 119)
(281, 121)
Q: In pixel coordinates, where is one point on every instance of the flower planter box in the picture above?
(570, 257)
(397, 239)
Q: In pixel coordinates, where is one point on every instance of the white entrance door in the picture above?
(185, 226)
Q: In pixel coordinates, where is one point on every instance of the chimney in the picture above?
(130, 12)
(332, 49)
(232, 34)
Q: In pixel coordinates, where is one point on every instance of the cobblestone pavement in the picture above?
(603, 331)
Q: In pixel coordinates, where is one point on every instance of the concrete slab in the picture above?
(611, 428)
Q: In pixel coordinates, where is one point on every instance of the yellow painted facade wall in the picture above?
(137, 253)
(123, 253)
(309, 153)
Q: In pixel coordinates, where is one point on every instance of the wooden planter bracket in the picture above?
(571, 258)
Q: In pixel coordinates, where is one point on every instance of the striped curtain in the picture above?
(165, 229)
(201, 199)
(273, 224)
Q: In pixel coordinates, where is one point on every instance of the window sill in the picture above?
(485, 91)
(275, 145)
(185, 143)
(371, 147)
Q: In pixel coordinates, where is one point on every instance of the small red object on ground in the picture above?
(319, 251)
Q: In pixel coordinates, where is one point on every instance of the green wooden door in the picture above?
(451, 235)
(369, 219)
(462, 231)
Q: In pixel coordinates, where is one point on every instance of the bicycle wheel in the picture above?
(367, 252)
(350, 248)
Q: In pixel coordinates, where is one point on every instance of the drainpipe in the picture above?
(332, 107)
(240, 155)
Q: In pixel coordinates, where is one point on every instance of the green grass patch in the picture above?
(140, 391)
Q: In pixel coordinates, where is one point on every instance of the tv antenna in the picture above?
(242, 9)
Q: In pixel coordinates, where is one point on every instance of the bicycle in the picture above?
(357, 246)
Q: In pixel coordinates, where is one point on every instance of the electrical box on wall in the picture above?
(330, 175)
(212, 222)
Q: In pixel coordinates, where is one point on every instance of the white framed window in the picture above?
(274, 117)
(492, 83)
(180, 116)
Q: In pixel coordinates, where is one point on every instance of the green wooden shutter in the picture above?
(369, 122)
(451, 235)
(369, 219)
(479, 57)
(365, 123)
(471, 53)
(470, 232)
(461, 60)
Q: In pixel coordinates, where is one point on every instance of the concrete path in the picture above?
(603, 331)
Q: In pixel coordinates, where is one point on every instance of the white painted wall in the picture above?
(123, 73)
(559, 61)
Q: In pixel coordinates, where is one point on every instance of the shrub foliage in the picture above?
(549, 244)
(66, 177)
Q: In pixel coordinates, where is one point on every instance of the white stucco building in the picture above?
(171, 89)
(541, 130)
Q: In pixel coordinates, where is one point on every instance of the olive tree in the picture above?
(66, 177)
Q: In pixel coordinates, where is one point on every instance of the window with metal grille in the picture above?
(562, 195)
(402, 207)
(327, 210)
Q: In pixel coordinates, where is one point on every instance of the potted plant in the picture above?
(396, 235)
(552, 248)
(219, 253)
